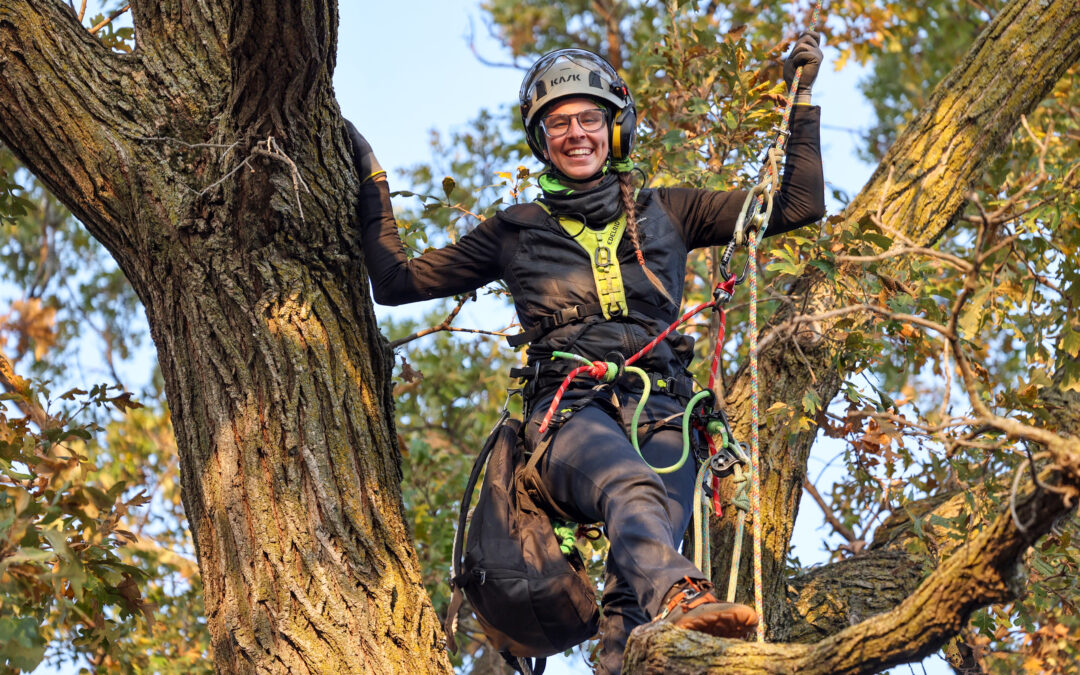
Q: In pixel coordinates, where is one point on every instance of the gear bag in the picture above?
(530, 599)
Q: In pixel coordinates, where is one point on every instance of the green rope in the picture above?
(741, 501)
(566, 533)
(611, 374)
(702, 559)
(646, 388)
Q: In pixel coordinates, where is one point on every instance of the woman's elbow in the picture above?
(817, 212)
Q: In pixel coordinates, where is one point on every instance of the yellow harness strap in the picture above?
(601, 245)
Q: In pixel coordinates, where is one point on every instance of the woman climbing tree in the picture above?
(597, 271)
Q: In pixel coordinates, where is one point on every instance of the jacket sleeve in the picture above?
(709, 217)
(395, 279)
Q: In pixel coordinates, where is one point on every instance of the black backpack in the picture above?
(530, 599)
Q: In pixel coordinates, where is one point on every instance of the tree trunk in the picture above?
(213, 165)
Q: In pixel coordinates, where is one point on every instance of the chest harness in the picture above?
(601, 246)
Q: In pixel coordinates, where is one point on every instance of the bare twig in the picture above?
(110, 19)
(102, 333)
(830, 516)
(193, 146)
(946, 370)
(274, 151)
(951, 260)
(485, 61)
(211, 186)
(444, 326)
(606, 10)
(785, 328)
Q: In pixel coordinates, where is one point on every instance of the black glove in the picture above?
(364, 159)
(807, 54)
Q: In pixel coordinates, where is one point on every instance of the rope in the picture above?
(764, 191)
(721, 295)
(741, 502)
(702, 559)
(755, 458)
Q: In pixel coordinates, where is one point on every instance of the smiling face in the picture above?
(578, 154)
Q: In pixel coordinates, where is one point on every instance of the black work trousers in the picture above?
(594, 474)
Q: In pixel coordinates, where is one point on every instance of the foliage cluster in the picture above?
(706, 84)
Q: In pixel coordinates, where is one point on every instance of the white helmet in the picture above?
(564, 73)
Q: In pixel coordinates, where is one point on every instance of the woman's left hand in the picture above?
(807, 54)
(363, 157)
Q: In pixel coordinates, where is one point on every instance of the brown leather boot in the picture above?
(691, 604)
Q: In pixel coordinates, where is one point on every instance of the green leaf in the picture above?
(826, 267)
(28, 555)
(1070, 341)
(98, 496)
(880, 240)
(973, 314)
(672, 139)
(811, 402)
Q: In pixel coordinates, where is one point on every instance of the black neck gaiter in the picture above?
(596, 207)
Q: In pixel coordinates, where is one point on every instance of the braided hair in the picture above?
(626, 191)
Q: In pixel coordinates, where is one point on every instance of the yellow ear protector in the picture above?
(622, 133)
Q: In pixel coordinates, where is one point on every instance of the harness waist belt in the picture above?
(679, 386)
(567, 316)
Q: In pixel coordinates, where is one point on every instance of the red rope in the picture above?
(667, 331)
(559, 394)
(714, 371)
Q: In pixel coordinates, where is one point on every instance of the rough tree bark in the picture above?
(212, 164)
(918, 191)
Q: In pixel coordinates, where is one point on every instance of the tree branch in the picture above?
(979, 573)
(830, 516)
(62, 97)
(115, 15)
(970, 115)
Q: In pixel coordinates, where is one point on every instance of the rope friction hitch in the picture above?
(714, 422)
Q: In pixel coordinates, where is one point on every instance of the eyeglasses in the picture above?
(555, 126)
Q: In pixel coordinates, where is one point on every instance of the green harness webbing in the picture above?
(600, 246)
